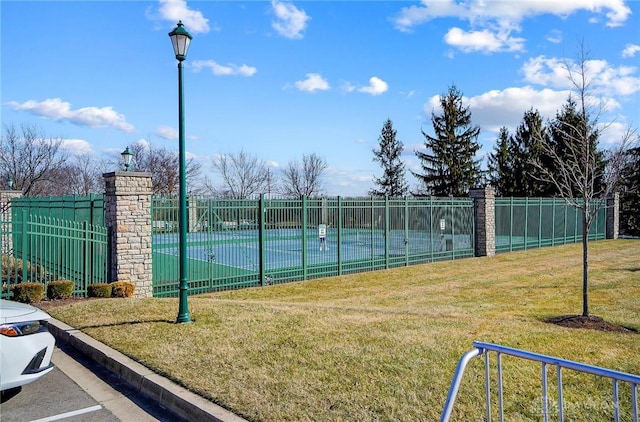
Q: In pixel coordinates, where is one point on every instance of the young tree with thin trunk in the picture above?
(393, 182)
(575, 167)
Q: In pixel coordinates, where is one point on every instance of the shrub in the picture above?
(27, 292)
(99, 290)
(13, 268)
(60, 289)
(122, 289)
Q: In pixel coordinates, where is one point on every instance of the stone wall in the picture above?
(127, 204)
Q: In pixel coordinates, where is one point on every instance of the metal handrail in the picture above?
(481, 348)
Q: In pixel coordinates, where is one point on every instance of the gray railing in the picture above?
(485, 348)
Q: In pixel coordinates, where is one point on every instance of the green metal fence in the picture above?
(526, 223)
(77, 208)
(39, 248)
(242, 243)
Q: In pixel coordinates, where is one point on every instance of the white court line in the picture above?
(69, 414)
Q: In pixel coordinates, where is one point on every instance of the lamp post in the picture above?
(180, 39)
(126, 158)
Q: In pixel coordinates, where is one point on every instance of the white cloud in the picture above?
(605, 79)
(314, 82)
(350, 182)
(554, 36)
(483, 41)
(630, 50)
(348, 87)
(220, 70)
(56, 109)
(175, 10)
(290, 21)
(510, 12)
(492, 23)
(77, 146)
(497, 108)
(376, 86)
(144, 143)
(167, 132)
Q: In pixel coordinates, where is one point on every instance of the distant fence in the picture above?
(526, 223)
(254, 242)
(243, 243)
(77, 208)
(40, 248)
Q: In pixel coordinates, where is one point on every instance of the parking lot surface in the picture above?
(77, 390)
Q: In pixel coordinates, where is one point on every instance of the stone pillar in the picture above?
(613, 216)
(484, 200)
(6, 228)
(127, 203)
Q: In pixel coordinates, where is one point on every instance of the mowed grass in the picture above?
(384, 345)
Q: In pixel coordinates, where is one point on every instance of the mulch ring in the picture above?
(591, 322)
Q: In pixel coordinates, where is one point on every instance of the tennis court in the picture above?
(224, 257)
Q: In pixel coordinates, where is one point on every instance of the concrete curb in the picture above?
(164, 392)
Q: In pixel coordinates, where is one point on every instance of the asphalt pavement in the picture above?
(159, 398)
(78, 390)
(92, 382)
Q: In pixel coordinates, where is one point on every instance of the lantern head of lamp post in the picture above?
(180, 39)
(10, 182)
(126, 158)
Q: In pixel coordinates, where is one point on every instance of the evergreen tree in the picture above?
(393, 182)
(449, 165)
(630, 195)
(574, 136)
(500, 168)
(529, 138)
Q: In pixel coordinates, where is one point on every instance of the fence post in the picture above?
(484, 204)
(6, 227)
(613, 216)
(127, 203)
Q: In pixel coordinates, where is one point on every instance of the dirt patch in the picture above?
(591, 322)
(49, 304)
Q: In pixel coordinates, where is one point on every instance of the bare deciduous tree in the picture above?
(576, 165)
(243, 175)
(163, 166)
(29, 158)
(304, 179)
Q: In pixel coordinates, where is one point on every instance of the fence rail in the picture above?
(526, 223)
(242, 243)
(480, 349)
(45, 249)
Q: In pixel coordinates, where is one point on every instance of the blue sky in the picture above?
(280, 79)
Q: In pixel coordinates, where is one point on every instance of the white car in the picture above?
(26, 345)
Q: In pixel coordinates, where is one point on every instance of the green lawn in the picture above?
(384, 345)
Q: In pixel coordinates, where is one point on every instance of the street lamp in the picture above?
(126, 158)
(10, 182)
(181, 39)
